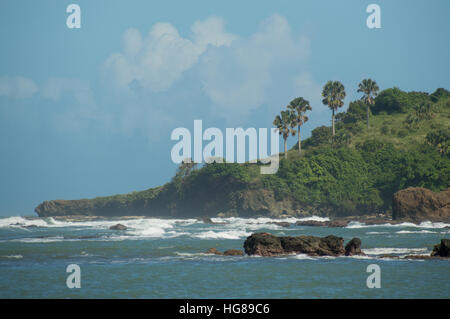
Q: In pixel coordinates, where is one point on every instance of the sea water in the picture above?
(165, 258)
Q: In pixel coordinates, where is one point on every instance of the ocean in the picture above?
(165, 258)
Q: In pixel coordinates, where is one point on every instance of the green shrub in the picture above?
(391, 101)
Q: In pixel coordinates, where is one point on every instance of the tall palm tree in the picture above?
(299, 107)
(369, 88)
(285, 124)
(333, 94)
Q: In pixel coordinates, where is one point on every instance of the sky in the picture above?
(88, 112)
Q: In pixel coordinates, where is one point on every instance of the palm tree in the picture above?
(299, 107)
(333, 94)
(285, 124)
(370, 90)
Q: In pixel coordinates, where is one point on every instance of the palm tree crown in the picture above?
(369, 88)
(299, 107)
(284, 124)
(333, 94)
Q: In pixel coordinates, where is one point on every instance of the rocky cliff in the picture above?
(420, 204)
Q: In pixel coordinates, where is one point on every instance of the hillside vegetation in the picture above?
(354, 172)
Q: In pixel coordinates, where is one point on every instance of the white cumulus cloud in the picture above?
(17, 87)
(159, 59)
(254, 70)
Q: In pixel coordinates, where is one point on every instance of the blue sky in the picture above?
(89, 112)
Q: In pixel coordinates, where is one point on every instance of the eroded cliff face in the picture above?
(227, 198)
(212, 203)
(420, 204)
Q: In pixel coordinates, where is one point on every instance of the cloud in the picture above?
(236, 74)
(56, 87)
(160, 59)
(17, 87)
(76, 105)
(250, 72)
(163, 79)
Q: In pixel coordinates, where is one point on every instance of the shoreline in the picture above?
(368, 220)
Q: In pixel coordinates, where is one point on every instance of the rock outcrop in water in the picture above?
(442, 249)
(233, 252)
(213, 251)
(353, 248)
(331, 223)
(118, 227)
(266, 244)
(418, 204)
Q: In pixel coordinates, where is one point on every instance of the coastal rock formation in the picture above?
(118, 227)
(442, 249)
(313, 223)
(233, 252)
(353, 248)
(282, 224)
(206, 220)
(265, 244)
(332, 223)
(420, 204)
(213, 251)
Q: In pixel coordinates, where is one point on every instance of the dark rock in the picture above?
(420, 204)
(233, 252)
(442, 249)
(314, 246)
(353, 248)
(118, 227)
(311, 223)
(282, 224)
(389, 256)
(208, 220)
(332, 223)
(213, 251)
(265, 244)
(337, 223)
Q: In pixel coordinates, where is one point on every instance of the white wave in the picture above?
(423, 231)
(426, 224)
(394, 250)
(17, 221)
(359, 257)
(192, 254)
(12, 256)
(302, 257)
(38, 240)
(230, 234)
(377, 232)
(254, 224)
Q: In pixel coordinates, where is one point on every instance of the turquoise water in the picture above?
(157, 258)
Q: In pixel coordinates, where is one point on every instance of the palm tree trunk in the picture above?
(299, 141)
(332, 121)
(285, 148)
(367, 116)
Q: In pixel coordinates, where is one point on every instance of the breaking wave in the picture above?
(395, 251)
(426, 224)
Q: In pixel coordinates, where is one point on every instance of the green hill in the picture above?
(353, 173)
